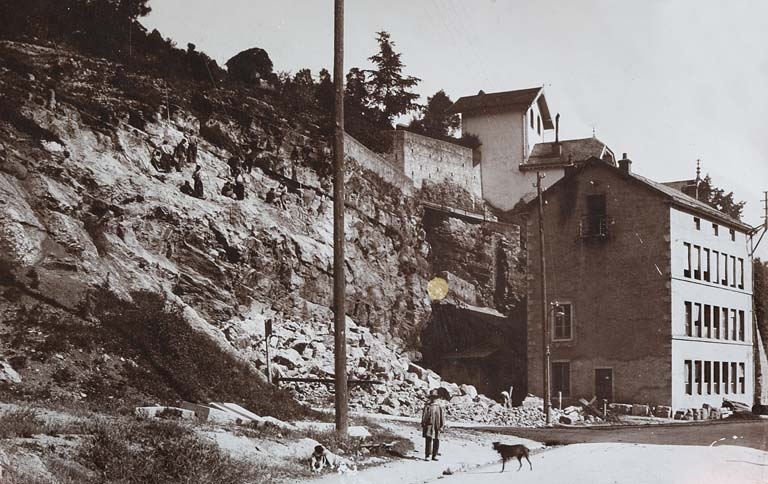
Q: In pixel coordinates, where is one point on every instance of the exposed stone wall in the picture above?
(378, 164)
(486, 255)
(422, 158)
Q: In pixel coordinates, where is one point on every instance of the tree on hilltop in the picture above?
(388, 88)
(435, 120)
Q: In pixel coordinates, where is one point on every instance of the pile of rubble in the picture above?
(392, 383)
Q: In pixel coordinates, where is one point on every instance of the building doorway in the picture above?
(604, 384)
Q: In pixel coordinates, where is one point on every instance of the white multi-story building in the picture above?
(712, 329)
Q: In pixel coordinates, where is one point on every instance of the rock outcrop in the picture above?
(83, 212)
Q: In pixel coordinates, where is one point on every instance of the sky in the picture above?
(667, 82)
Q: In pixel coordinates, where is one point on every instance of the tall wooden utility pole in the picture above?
(339, 282)
(544, 322)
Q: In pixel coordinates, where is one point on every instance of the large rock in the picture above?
(468, 390)
(289, 358)
(8, 374)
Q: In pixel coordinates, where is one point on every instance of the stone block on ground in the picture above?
(242, 411)
(621, 408)
(276, 423)
(640, 410)
(210, 414)
(532, 401)
(662, 411)
(238, 416)
(163, 411)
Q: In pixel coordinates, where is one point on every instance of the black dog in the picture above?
(511, 451)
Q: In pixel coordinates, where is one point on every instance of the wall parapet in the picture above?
(378, 164)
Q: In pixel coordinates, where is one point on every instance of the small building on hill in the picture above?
(511, 126)
(654, 291)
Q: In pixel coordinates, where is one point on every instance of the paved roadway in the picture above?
(748, 433)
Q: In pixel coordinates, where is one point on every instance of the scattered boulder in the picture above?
(164, 412)
(469, 391)
(8, 374)
(288, 357)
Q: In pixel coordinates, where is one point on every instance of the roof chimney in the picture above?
(557, 128)
(625, 164)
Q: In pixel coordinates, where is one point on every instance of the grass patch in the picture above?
(158, 452)
(21, 422)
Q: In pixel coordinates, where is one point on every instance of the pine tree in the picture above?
(325, 93)
(717, 198)
(388, 89)
(436, 121)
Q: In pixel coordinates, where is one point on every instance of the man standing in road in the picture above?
(432, 421)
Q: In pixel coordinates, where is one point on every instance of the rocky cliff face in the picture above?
(89, 226)
(83, 209)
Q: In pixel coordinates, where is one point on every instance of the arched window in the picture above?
(538, 124)
(531, 116)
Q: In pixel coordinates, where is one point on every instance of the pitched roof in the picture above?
(681, 199)
(676, 197)
(679, 184)
(520, 98)
(570, 151)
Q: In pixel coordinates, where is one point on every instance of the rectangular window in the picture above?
(697, 376)
(688, 320)
(688, 386)
(716, 259)
(733, 235)
(734, 327)
(724, 281)
(687, 270)
(716, 376)
(697, 223)
(734, 377)
(741, 273)
(741, 326)
(733, 269)
(706, 265)
(742, 388)
(563, 322)
(708, 377)
(697, 262)
(707, 321)
(561, 378)
(724, 311)
(596, 214)
(725, 377)
(715, 229)
(697, 320)
(716, 322)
